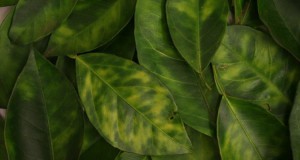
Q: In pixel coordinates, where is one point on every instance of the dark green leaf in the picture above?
(36, 19)
(282, 19)
(92, 24)
(12, 60)
(157, 53)
(131, 109)
(197, 28)
(204, 148)
(44, 117)
(131, 156)
(95, 146)
(250, 66)
(67, 66)
(3, 154)
(8, 2)
(246, 13)
(248, 132)
(294, 125)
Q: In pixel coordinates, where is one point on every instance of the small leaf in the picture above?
(131, 156)
(36, 19)
(12, 60)
(282, 19)
(128, 106)
(197, 28)
(250, 66)
(247, 131)
(204, 148)
(3, 152)
(246, 13)
(44, 118)
(92, 24)
(156, 53)
(294, 125)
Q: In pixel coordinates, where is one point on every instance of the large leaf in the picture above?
(12, 60)
(282, 19)
(294, 125)
(157, 53)
(36, 19)
(8, 2)
(131, 156)
(3, 154)
(204, 148)
(247, 131)
(197, 28)
(131, 109)
(91, 24)
(250, 66)
(94, 146)
(44, 117)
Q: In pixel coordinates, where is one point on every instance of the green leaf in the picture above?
(36, 19)
(131, 156)
(246, 13)
(282, 19)
(3, 153)
(12, 60)
(204, 148)
(94, 145)
(8, 2)
(67, 66)
(247, 131)
(294, 122)
(123, 44)
(129, 107)
(157, 53)
(44, 117)
(92, 24)
(250, 66)
(197, 28)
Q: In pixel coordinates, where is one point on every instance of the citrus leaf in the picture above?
(3, 152)
(197, 28)
(204, 148)
(247, 131)
(157, 53)
(131, 156)
(8, 2)
(128, 106)
(36, 19)
(281, 18)
(44, 114)
(94, 145)
(250, 66)
(12, 60)
(294, 122)
(246, 13)
(67, 66)
(92, 24)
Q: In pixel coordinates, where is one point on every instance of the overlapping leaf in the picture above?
(131, 109)
(204, 148)
(44, 117)
(35, 19)
(294, 122)
(250, 66)
(197, 28)
(157, 53)
(131, 156)
(247, 131)
(245, 12)
(12, 60)
(91, 24)
(282, 19)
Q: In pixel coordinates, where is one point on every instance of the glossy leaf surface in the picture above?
(250, 66)
(12, 60)
(247, 131)
(294, 125)
(91, 24)
(131, 156)
(36, 19)
(282, 19)
(143, 123)
(36, 113)
(197, 28)
(157, 53)
(204, 148)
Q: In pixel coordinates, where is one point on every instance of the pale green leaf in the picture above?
(248, 132)
(91, 24)
(129, 107)
(197, 28)
(196, 102)
(44, 117)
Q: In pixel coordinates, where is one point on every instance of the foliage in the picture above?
(150, 79)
